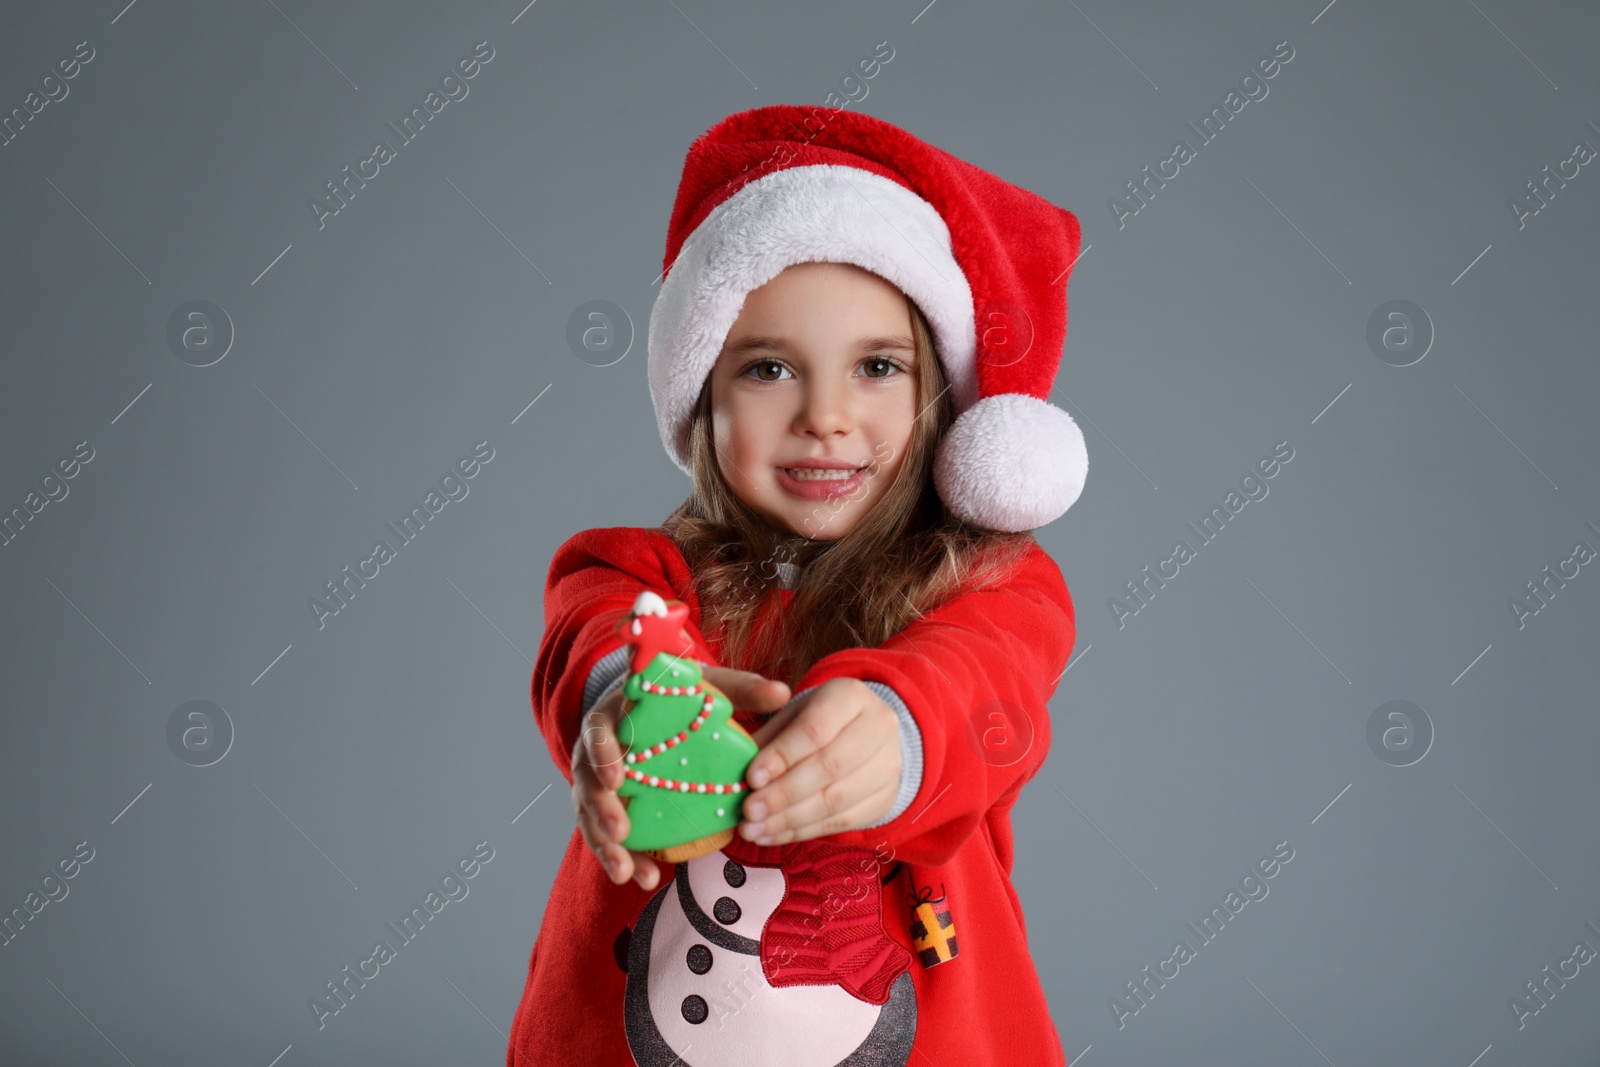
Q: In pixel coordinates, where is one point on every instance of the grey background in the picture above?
(1228, 315)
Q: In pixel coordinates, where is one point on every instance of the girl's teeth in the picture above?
(817, 474)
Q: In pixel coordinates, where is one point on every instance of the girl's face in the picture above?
(819, 366)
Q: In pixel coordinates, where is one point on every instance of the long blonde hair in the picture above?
(905, 557)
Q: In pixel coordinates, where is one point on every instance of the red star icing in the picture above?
(652, 634)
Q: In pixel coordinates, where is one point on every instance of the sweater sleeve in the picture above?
(975, 674)
(594, 578)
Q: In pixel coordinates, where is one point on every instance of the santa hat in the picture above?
(985, 261)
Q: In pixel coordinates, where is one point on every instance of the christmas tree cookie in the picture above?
(684, 756)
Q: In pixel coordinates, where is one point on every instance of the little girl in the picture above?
(850, 356)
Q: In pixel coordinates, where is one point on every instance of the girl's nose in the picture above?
(826, 410)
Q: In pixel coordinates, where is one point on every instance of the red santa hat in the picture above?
(985, 261)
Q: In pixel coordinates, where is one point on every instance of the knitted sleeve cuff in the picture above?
(609, 672)
(910, 751)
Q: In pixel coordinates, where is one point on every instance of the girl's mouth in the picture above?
(820, 484)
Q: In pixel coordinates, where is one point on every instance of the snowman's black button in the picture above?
(726, 911)
(619, 947)
(733, 874)
(694, 1008)
(699, 959)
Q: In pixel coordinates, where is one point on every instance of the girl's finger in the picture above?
(618, 862)
(645, 871)
(869, 809)
(601, 814)
(623, 863)
(775, 725)
(825, 806)
(818, 722)
(602, 751)
(610, 814)
(830, 780)
(748, 690)
(803, 773)
(598, 841)
(596, 819)
(589, 791)
(595, 837)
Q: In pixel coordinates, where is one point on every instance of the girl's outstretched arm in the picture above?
(975, 675)
(593, 580)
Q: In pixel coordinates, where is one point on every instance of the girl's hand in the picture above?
(597, 771)
(833, 764)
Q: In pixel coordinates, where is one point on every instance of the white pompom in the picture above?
(1011, 462)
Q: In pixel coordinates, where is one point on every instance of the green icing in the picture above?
(658, 817)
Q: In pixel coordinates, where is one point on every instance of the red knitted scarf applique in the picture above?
(828, 928)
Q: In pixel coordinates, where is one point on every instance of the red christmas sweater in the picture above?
(855, 949)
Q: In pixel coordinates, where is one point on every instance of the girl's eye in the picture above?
(755, 368)
(887, 367)
(892, 365)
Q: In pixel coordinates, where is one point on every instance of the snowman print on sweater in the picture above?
(697, 996)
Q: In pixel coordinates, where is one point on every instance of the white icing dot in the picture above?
(715, 735)
(719, 812)
(683, 761)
